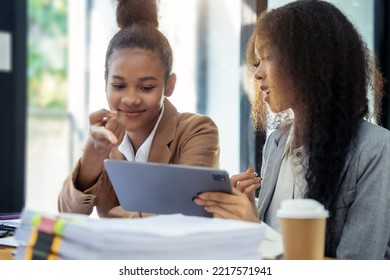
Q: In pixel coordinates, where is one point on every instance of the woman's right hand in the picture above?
(228, 206)
(104, 132)
(104, 129)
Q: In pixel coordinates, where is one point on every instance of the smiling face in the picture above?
(135, 87)
(276, 87)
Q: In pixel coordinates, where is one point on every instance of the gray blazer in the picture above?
(363, 205)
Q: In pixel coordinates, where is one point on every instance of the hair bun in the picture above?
(130, 12)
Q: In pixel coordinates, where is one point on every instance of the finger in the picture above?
(110, 118)
(219, 212)
(236, 212)
(250, 189)
(226, 201)
(243, 185)
(251, 170)
(242, 177)
(114, 125)
(97, 116)
(101, 116)
(119, 130)
(214, 198)
(218, 197)
(203, 202)
(103, 136)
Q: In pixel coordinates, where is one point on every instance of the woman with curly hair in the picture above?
(307, 57)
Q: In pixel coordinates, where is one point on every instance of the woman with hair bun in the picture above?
(141, 125)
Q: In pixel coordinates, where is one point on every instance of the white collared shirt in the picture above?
(291, 180)
(142, 155)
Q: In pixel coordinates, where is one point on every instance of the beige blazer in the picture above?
(181, 138)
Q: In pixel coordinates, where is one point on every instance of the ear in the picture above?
(170, 86)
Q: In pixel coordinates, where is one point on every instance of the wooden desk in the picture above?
(6, 252)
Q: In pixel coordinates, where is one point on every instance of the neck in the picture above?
(136, 140)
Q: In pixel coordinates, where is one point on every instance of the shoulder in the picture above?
(370, 127)
(372, 135)
(193, 119)
(371, 148)
(185, 119)
(197, 128)
(187, 127)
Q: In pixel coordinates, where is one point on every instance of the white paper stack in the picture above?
(163, 237)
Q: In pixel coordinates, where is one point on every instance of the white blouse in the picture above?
(291, 181)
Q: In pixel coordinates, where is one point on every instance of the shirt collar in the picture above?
(288, 150)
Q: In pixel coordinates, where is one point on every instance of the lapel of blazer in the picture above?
(348, 159)
(165, 134)
(271, 168)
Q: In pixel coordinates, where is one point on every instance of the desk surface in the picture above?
(6, 253)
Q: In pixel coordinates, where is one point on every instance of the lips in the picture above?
(265, 90)
(132, 113)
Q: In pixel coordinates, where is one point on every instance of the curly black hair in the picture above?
(334, 71)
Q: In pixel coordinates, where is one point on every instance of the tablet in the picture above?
(164, 188)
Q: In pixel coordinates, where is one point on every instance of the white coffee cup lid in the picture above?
(302, 208)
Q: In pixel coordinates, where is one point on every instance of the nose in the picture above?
(259, 73)
(131, 98)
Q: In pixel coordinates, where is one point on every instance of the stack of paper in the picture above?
(73, 236)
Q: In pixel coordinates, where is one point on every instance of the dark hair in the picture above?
(138, 23)
(332, 68)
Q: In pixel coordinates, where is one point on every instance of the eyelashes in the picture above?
(142, 88)
(118, 86)
(147, 89)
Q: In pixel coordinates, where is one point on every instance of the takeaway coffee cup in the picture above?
(303, 224)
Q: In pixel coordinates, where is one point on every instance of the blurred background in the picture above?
(51, 72)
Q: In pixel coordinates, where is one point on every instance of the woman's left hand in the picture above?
(228, 206)
(247, 183)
